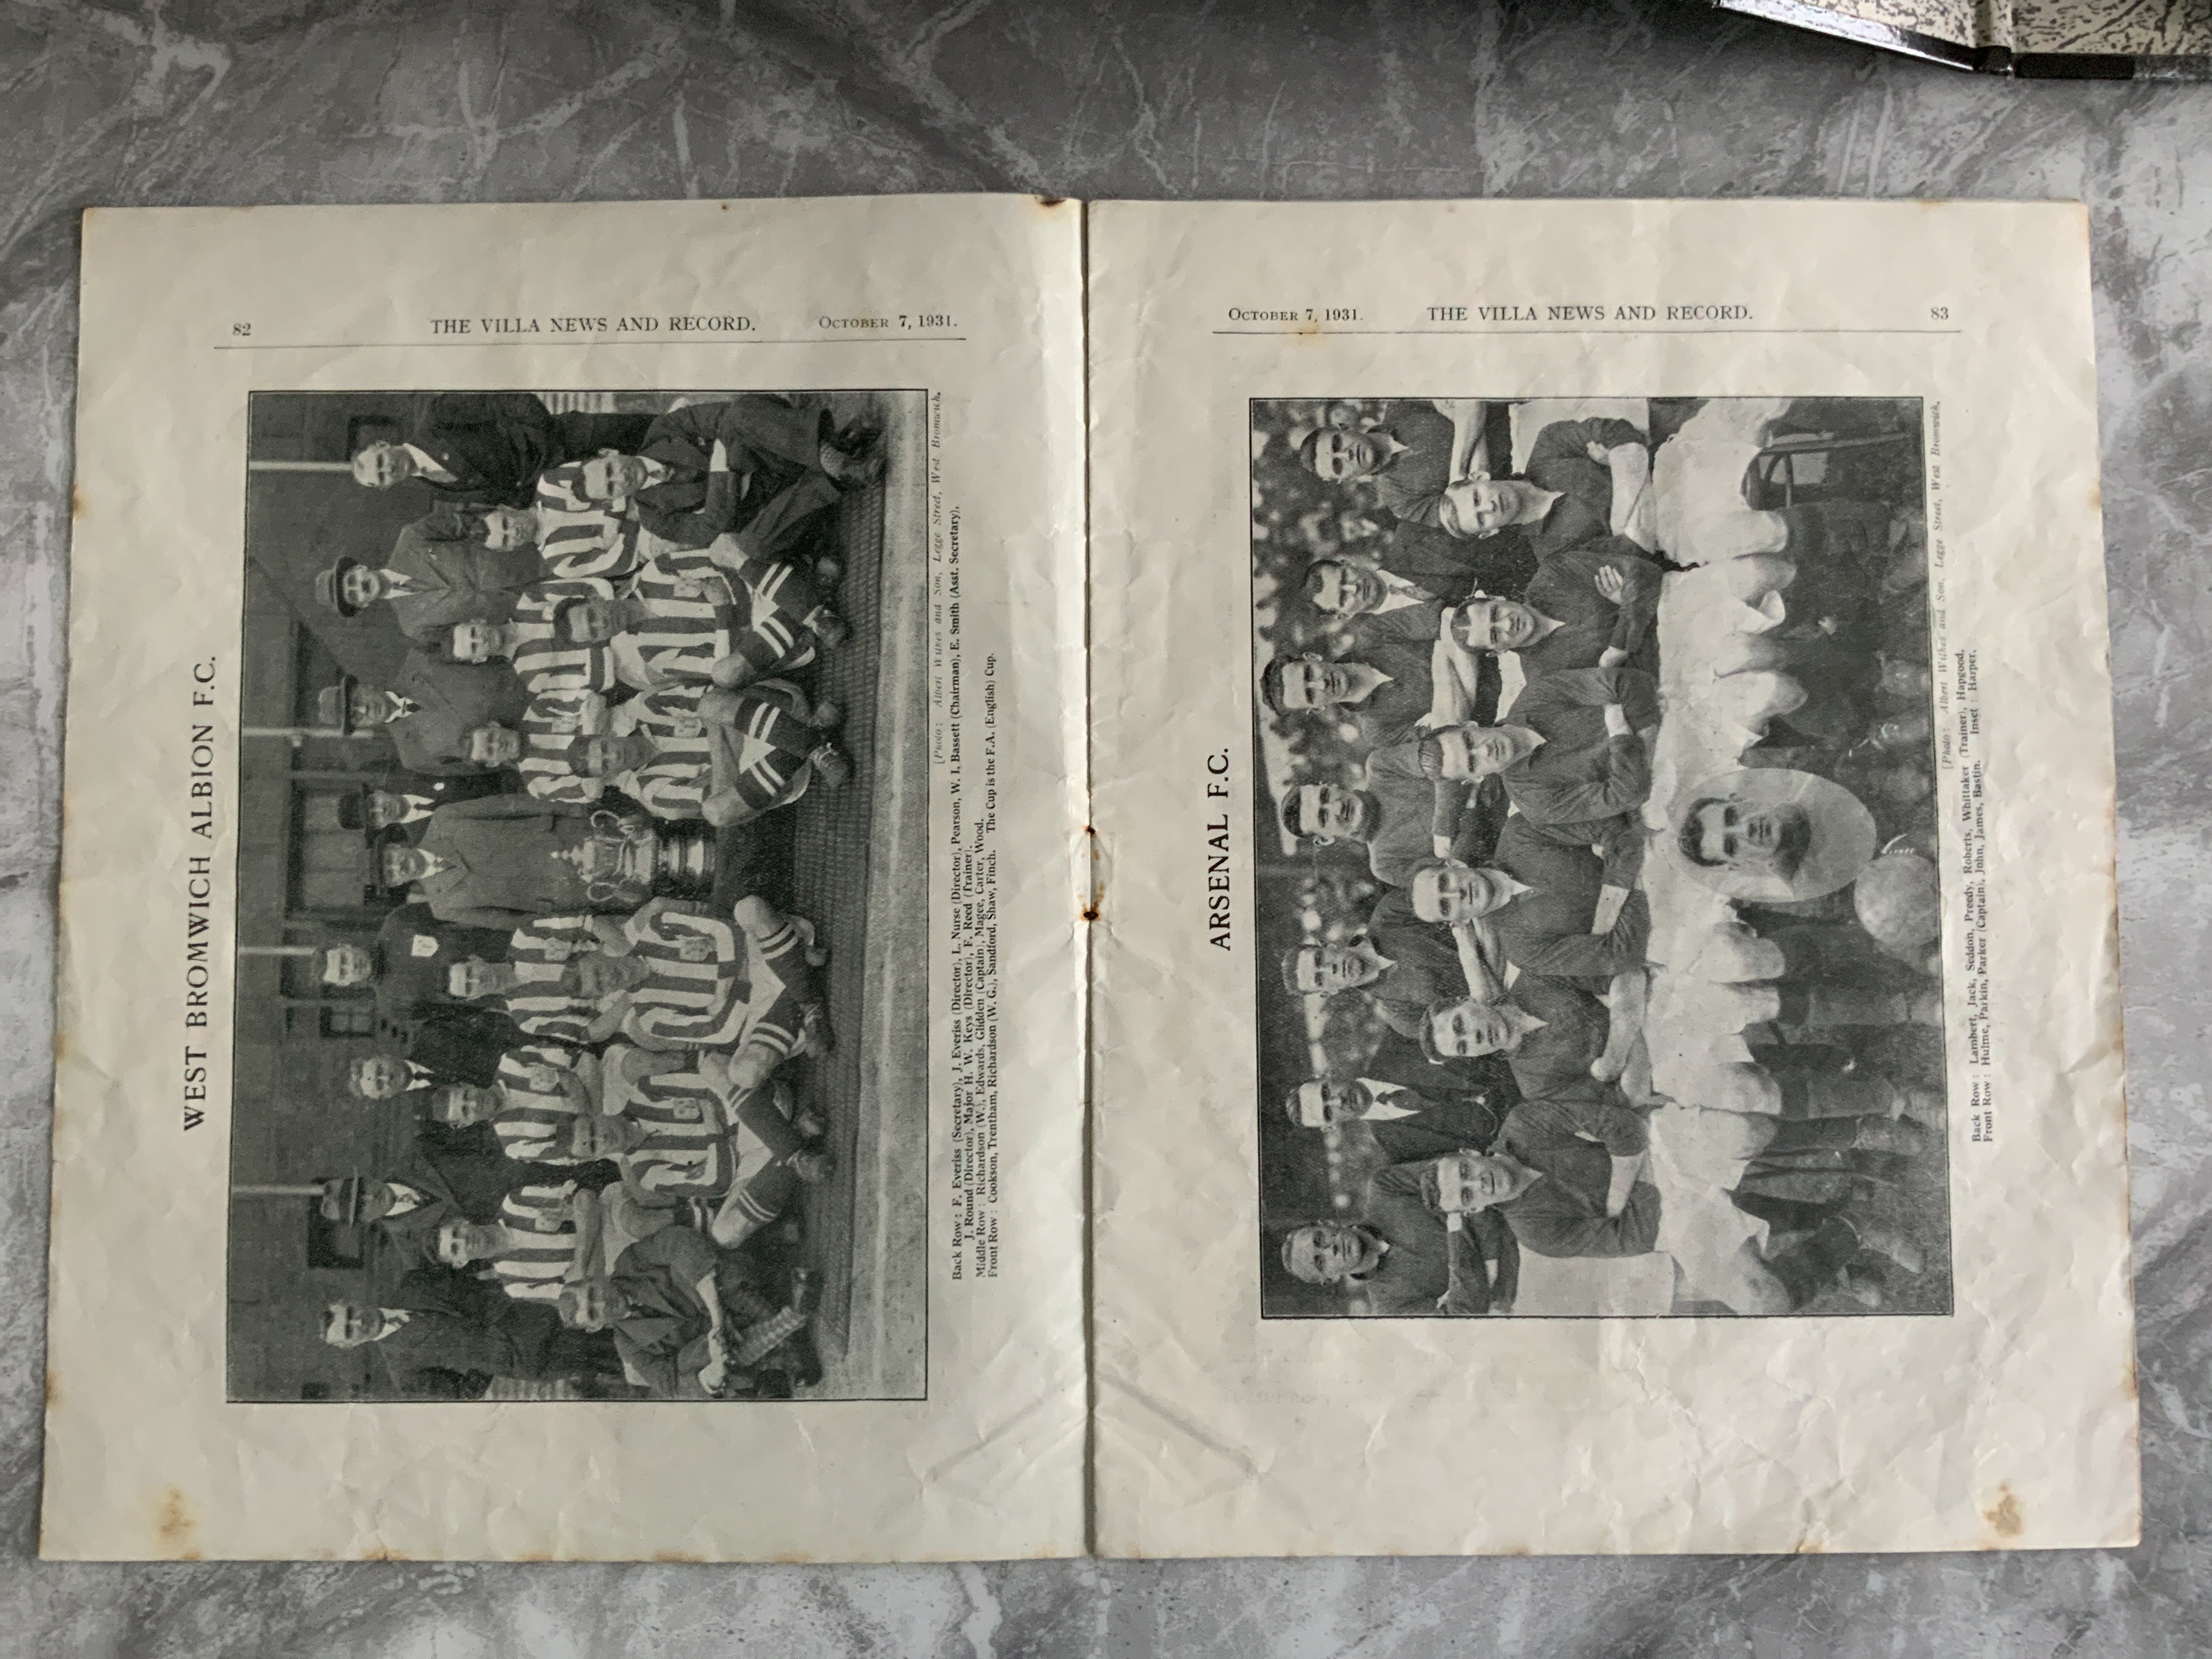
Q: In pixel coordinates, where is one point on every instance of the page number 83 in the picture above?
(1941, 313)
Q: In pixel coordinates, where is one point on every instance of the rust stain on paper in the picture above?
(2004, 1516)
(175, 1525)
(1097, 900)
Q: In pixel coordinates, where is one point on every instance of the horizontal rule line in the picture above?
(585, 340)
(1295, 332)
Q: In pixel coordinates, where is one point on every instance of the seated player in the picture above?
(1571, 754)
(1585, 607)
(543, 1238)
(673, 976)
(1585, 482)
(1556, 1037)
(539, 640)
(682, 1132)
(694, 752)
(539, 1092)
(574, 538)
(1565, 1176)
(690, 1322)
(439, 1341)
(662, 629)
(1546, 903)
(1404, 817)
(1407, 1260)
(757, 467)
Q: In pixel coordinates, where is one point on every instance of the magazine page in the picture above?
(2099, 28)
(1606, 1026)
(570, 993)
(1955, 32)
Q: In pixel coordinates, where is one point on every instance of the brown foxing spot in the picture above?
(175, 1525)
(2004, 1516)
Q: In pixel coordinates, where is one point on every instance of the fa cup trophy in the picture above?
(628, 857)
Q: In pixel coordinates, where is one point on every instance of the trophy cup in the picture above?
(628, 857)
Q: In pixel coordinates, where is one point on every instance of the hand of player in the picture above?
(1598, 453)
(719, 459)
(1611, 584)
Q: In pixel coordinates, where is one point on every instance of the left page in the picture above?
(555, 788)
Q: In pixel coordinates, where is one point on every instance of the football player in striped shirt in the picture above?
(544, 1237)
(698, 751)
(687, 1134)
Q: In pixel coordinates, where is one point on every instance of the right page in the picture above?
(1606, 1017)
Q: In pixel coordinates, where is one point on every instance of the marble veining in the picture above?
(198, 102)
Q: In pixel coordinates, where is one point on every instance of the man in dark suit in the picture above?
(1585, 606)
(413, 951)
(443, 718)
(412, 1197)
(757, 467)
(403, 801)
(442, 1337)
(1452, 568)
(1407, 1123)
(487, 448)
(1403, 965)
(446, 1045)
(1384, 687)
(439, 573)
(1409, 1262)
(497, 862)
(1398, 1060)
(1356, 589)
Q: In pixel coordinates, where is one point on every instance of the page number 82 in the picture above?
(242, 328)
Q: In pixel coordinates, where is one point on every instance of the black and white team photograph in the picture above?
(1597, 861)
(580, 1036)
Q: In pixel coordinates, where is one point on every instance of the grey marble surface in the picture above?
(280, 100)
